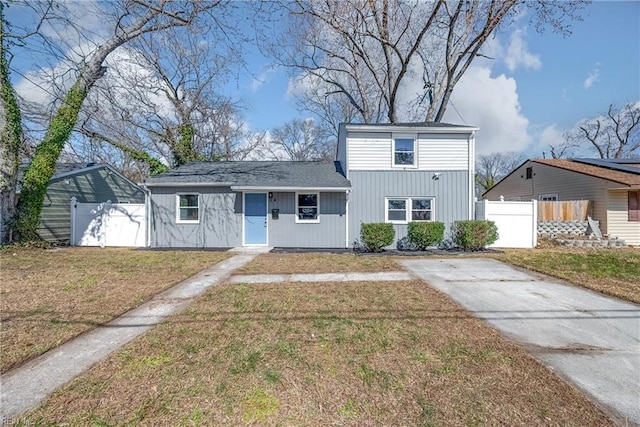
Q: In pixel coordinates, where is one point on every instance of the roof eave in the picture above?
(188, 184)
(287, 189)
(424, 129)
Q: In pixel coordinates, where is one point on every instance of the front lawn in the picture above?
(613, 272)
(50, 296)
(313, 262)
(319, 354)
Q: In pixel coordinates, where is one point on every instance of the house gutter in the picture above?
(188, 184)
(287, 189)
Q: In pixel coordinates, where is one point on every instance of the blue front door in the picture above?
(255, 219)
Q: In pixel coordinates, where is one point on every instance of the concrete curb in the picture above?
(27, 386)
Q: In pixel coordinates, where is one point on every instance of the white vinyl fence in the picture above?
(108, 224)
(516, 221)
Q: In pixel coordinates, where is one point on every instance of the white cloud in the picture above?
(518, 55)
(265, 76)
(492, 104)
(593, 76)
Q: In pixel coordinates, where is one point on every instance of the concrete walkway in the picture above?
(325, 277)
(25, 387)
(591, 340)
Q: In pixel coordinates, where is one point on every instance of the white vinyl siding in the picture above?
(371, 151)
(618, 219)
(443, 154)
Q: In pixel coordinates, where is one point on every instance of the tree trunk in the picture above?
(42, 166)
(10, 139)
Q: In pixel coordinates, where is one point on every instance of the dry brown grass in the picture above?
(357, 354)
(614, 272)
(50, 296)
(291, 263)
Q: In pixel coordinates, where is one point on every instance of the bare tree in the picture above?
(491, 168)
(396, 60)
(129, 20)
(614, 135)
(301, 140)
(161, 103)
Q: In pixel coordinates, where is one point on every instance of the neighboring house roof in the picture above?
(611, 171)
(247, 175)
(67, 169)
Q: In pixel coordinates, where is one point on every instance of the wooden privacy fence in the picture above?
(569, 210)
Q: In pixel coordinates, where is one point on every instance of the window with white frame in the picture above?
(396, 210)
(404, 152)
(307, 207)
(401, 210)
(421, 209)
(188, 208)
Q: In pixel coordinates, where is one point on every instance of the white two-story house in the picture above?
(394, 173)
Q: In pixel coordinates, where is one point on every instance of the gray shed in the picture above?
(88, 183)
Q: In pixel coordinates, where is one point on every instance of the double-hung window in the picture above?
(307, 207)
(401, 210)
(421, 209)
(188, 208)
(404, 152)
(397, 210)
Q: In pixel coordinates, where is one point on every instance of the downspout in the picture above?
(346, 214)
(147, 213)
(472, 175)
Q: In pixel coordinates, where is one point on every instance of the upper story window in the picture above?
(404, 152)
(529, 172)
(307, 207)
(188, 208)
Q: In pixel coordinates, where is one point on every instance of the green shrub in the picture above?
(376, 235)
(474, 235)
(425, 234)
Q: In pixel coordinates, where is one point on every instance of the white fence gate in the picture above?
(517, 222)
(108, 224)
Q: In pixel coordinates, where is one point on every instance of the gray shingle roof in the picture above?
(256, 174)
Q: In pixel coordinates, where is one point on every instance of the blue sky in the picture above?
(543, 97)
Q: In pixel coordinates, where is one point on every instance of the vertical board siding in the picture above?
(330, 232)
(221, 220)
(618, 219)
(93, 186)
(367, 200)
(220, 223)
(570, 210)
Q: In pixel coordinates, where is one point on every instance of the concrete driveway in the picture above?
(591, 340)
